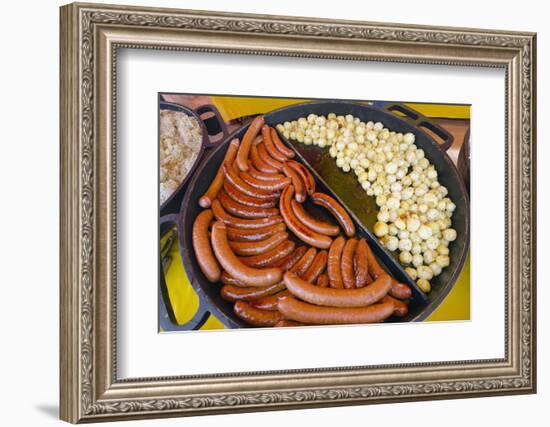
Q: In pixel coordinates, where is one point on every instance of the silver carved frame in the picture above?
(90, 37)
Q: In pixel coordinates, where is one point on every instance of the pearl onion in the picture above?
(411, 272)
(449, 234)
(381, 229)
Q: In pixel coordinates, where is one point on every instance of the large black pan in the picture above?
(343, 187)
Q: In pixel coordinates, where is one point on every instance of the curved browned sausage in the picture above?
(322, 281)
(253, 235)
(300, 230)
(255, 316)
(201, 244)
(243, 187)
(346, 264)
(337, 210)
(232, 264)
(297, 182)
(400, 309)
(270, 146)
(244, 149)
(259, 247)
(316, 268)
(334, 270)
(270, 258)
(400, 290)
(313, 314)
(338, 297)
(304, 263)
(259, 163)
(361, 264)
(226, 279)
(305, 174)
(235, 222)
(244, 211)
(269, 302)
(263, 176)
(290, 260)
(245, 199)
(280, 145)
(375, 270)
(311, 222)
(217, 182)
(272, 185)
(237, 293)
(264, 155)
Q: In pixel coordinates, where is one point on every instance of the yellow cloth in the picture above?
(183, 299)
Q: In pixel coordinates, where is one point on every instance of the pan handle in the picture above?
(216, 123)
(421, 121)
(167, 319)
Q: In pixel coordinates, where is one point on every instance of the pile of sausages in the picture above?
(280, 265)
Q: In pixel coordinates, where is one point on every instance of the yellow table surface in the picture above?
(184, 301)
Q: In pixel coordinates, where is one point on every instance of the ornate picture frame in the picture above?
(90, 37)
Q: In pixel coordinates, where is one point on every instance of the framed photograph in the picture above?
(269, 212)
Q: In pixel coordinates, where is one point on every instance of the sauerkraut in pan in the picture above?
(180, 143)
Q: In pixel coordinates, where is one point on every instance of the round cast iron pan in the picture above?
(422, 305)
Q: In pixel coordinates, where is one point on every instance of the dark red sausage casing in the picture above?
(337, 210)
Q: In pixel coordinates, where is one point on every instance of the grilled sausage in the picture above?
(304, 263)
(300, 230)
(316, 268)
(312, 314)
(334, 270)
(216, 184)
(337, 210)
(264, 155)
(263, 176)
(272, 185)
(236, 293)
(322, 281)
(400, 309)
(311, 222)
(346, 264)
(271, 257)
(244, 149)
(231, 263)
(245, 199)
(305, 174)
(280, 145)
(244, 211)
(201, 244)
(259, 247)
(290, 260)
(297, 182)
(259, 163)
(400, 290)
(270, 146)
(255, 316)
(337, 297)
(375, 270)
(269, 302)
(226, 279)
(245, 188)
(235, 222)
(254, 235)
(361, 264)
